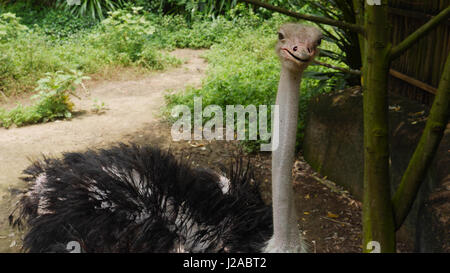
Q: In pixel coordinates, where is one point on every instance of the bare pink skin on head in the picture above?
(296, 48)
(297, 45)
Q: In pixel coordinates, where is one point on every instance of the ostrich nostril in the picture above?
(309, 50)
(295, 48)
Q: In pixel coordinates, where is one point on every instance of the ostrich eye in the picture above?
(280, 36)
(319, 42)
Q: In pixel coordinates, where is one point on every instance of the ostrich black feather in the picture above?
(132, 198)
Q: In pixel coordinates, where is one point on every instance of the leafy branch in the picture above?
(312, 18)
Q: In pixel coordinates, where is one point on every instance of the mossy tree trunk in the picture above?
(378, 220)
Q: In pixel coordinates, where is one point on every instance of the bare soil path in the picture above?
(131, 105)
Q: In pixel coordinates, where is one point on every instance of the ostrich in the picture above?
(132, 198)
(297, 47)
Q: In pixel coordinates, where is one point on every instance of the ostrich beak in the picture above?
(299, 54)
(303, 58)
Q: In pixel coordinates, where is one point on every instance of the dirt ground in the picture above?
(328, 216)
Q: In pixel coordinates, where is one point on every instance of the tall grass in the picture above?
(188, 8)
(58, 41)
(27, 53)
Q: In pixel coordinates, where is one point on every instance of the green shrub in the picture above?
(125, 34)
(188, 8)
(122, 40)
(243, 67)
(58, 25)
(244, 70)
(30, 56)
(175, 31)
(202, 34)
(10, 27)
(52, 100)
(96, 9)
(153, 59)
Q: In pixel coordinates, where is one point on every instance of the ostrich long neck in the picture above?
(286, 236)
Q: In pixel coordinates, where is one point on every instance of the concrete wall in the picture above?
(333, 146)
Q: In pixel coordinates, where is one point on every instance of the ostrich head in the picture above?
(297, 45)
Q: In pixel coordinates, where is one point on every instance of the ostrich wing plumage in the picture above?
(131, 198)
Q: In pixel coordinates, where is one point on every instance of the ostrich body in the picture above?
(131, 198)
(139, 199)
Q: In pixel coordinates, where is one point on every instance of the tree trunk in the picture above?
(378, 220)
